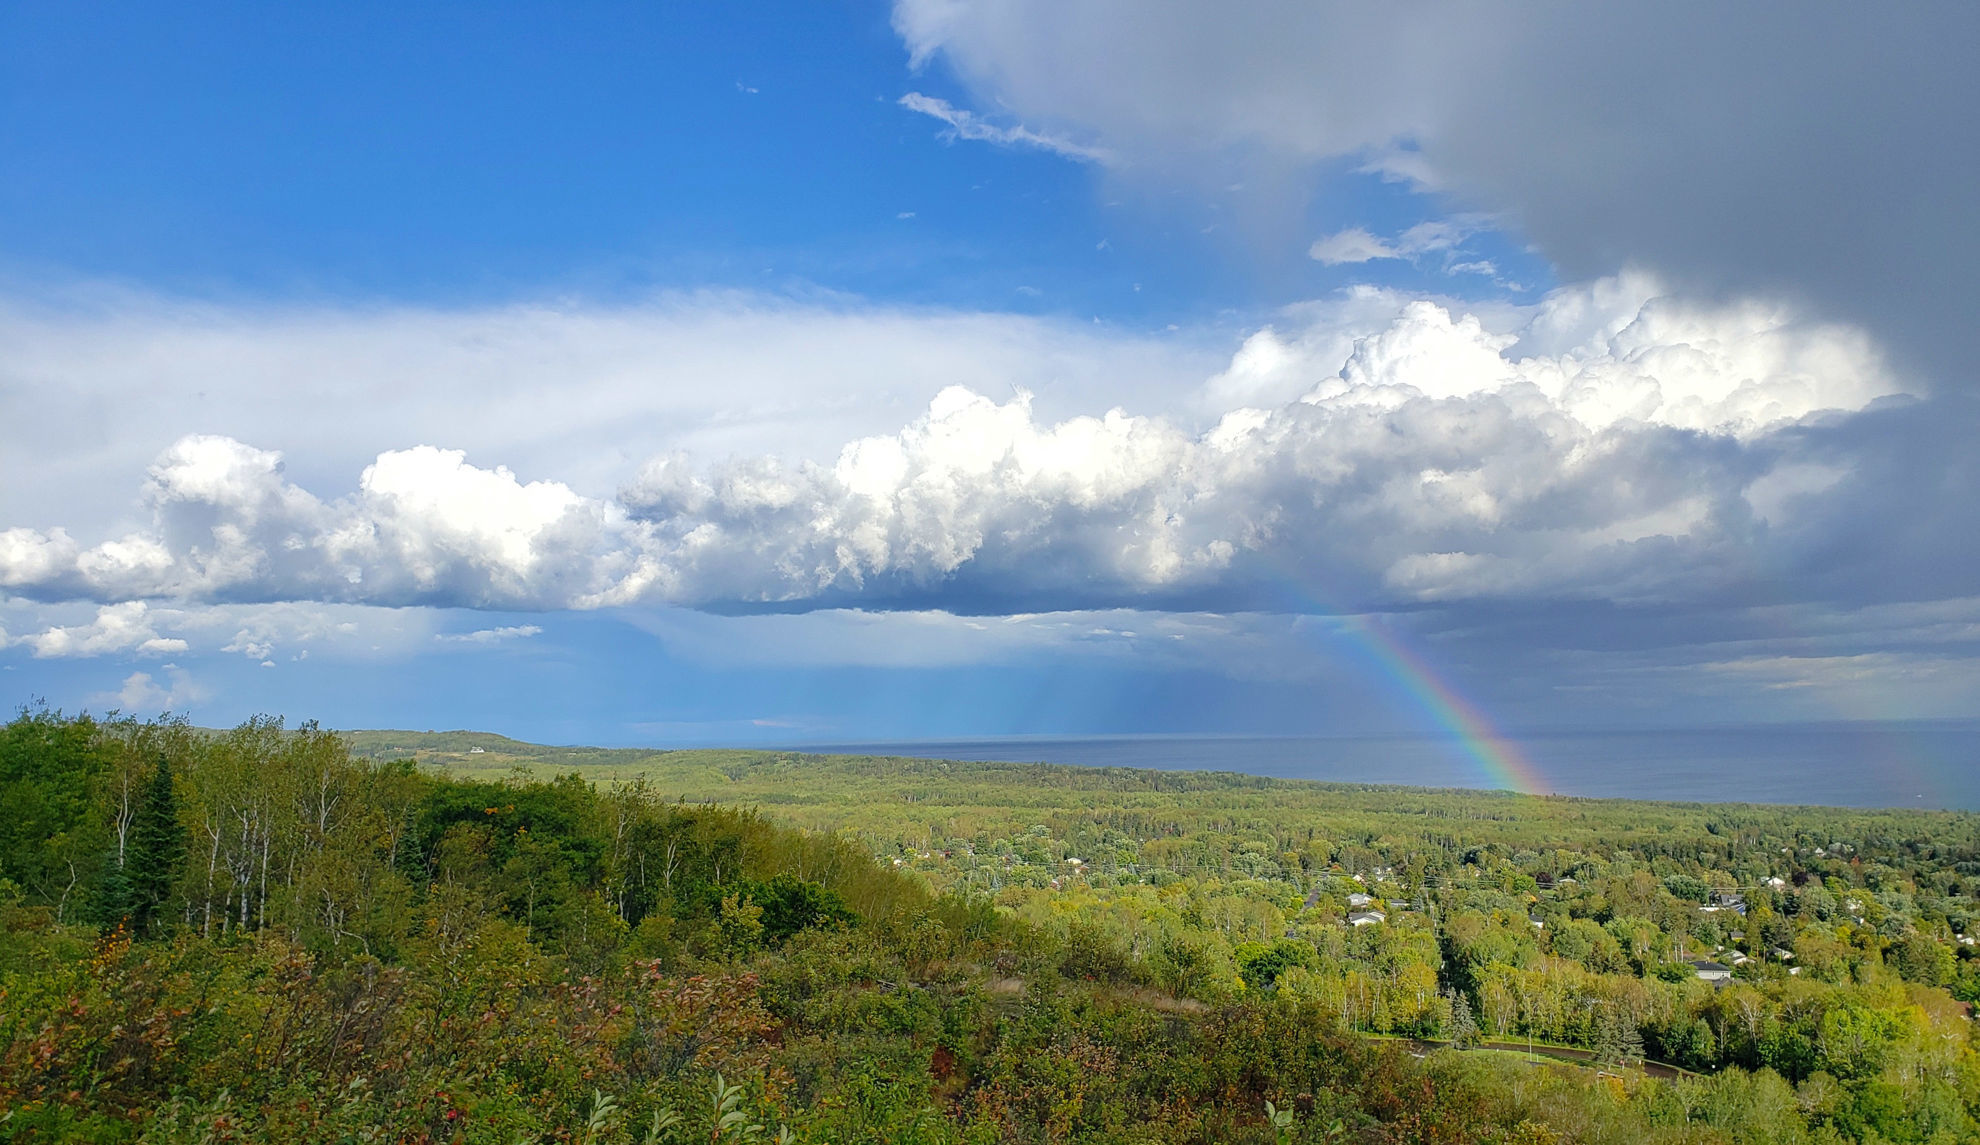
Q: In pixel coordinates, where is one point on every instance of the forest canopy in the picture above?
(277, 934)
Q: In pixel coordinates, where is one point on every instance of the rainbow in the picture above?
(1502, 762)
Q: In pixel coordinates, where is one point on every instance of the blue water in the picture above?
(1921, 763)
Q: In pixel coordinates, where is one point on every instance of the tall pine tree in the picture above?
(1617, 1040)
(1462, 1027)
(142, 891)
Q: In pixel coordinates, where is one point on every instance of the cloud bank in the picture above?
(1611, 443)
(98, 382)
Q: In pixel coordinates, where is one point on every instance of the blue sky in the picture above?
(455, 154)
(710, 373)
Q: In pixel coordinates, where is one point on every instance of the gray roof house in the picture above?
(1711, 971)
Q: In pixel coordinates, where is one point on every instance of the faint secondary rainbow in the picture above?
(1500, 758)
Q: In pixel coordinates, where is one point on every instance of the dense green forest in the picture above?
(271, 935)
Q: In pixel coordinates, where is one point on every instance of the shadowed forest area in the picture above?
(272, 934)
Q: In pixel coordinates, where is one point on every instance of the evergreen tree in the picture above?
(1463, 1027)
(1617, 1040)
(1632, 1043)
(157, 852)
(113, 902)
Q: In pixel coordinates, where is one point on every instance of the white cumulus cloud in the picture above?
(1609, 441)
(143, 693)
(100, 382)
(123, 627)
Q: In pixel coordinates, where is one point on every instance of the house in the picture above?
(1711, 971)
(477, 751)
(1538, 922)
(1358, 900)
(1366, 917)
(1783, 953)
(1777, 883)
(1725, 901)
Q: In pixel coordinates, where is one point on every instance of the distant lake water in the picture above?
(1921, 763)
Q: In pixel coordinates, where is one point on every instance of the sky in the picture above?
(796, 373)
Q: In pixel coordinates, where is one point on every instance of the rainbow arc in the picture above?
(1412, 675)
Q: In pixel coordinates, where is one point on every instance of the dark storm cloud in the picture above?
(1821, 151)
